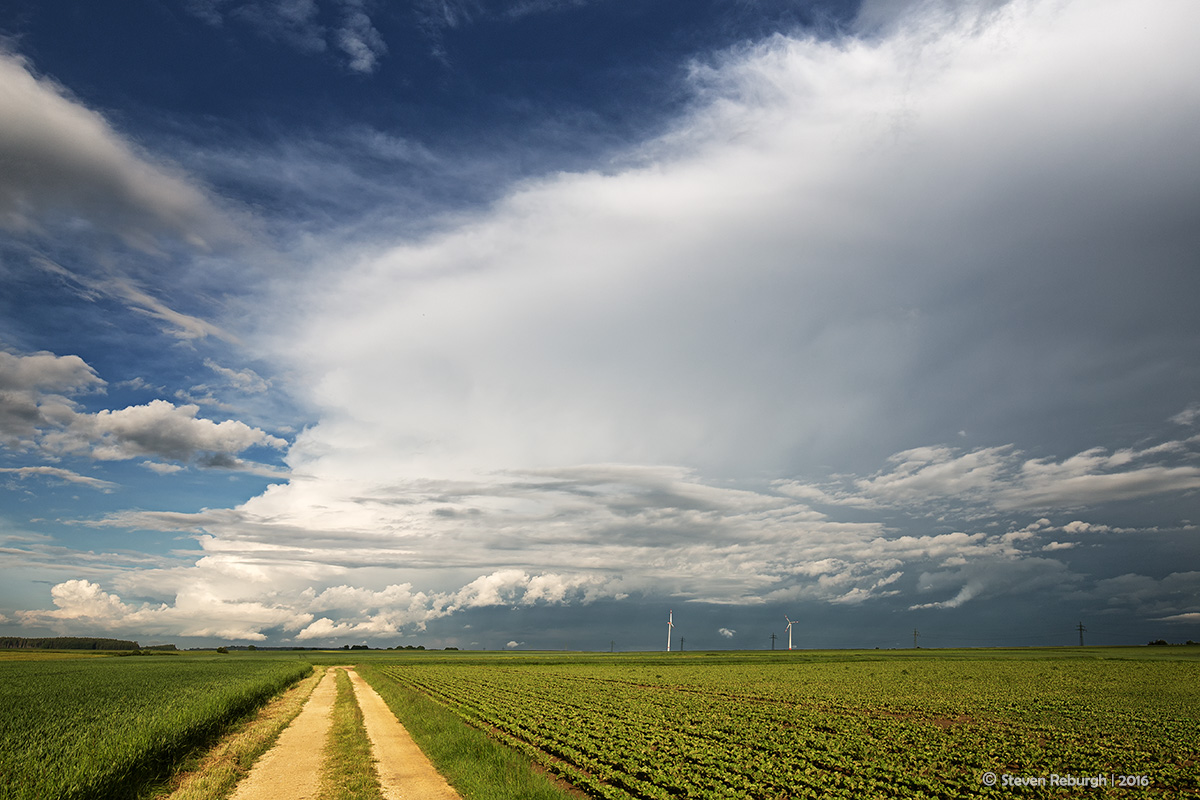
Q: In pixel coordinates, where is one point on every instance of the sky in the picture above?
(526, 324)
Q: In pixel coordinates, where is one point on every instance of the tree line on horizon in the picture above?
(68, 643)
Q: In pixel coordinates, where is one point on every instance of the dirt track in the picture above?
(291, 770)
(404, 771)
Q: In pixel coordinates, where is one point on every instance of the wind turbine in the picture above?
(789, 630)
(670, 624)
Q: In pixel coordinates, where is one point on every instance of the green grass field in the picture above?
(107, 727)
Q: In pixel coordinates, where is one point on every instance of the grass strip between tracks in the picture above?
(214, 774)
(476, 765)
(349, 771)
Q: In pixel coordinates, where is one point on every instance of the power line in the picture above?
(996, 637)
(1046, 638)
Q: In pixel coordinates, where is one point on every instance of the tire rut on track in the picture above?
(405, 773)
(291, 770)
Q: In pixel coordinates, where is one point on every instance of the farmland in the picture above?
(909, 724)
(917, 724)
(104, 727)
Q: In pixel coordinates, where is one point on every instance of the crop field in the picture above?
(934, 724)
(104, 727)
(908, 724)
(50, 655)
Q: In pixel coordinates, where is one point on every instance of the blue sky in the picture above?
(522, 323)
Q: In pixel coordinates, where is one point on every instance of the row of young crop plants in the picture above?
(106, 727)
(831, 730)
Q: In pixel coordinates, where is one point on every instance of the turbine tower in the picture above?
(670, 624)
(789, 630)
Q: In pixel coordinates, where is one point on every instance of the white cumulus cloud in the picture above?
(160, 429)
(38, 411)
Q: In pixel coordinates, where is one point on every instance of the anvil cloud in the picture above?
(881, 322)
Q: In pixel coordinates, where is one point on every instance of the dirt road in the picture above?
(404, 771)
(291, 770)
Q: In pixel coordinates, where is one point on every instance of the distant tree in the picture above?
(252, 648)
(420, 647)
(1159, 643)
(222, 649)
(451, 648)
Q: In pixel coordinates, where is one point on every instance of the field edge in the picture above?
(216, 770)
(477, 765)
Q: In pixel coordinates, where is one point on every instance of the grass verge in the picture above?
(476, 765)
(349, 770)
(213, 775)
